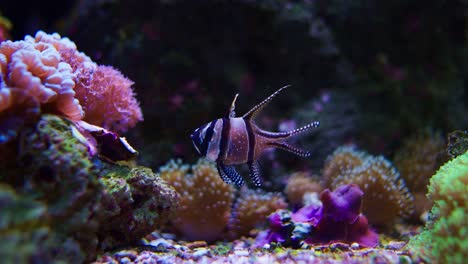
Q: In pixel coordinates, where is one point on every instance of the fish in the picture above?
(231, 140)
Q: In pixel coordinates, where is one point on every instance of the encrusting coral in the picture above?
(47, 74)
(73, 199)
(205, 200)
(445, 239)
(337, 219)
(377, 178)
(299, 184)
(251, 210)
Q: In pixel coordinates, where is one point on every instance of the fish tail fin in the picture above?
(256, 109)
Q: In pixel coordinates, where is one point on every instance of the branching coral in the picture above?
(338, 219)
(205, 200)
(385, 195)
(49, 71)
(251, 210)
(446, 237)
(299, 184)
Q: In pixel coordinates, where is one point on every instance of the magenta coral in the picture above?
(338, 219)
(109, 100)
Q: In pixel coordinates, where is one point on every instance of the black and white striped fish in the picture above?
(234, 140)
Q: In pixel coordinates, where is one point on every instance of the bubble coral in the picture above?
(445, 239)
(252, 209)
(205, 200)
(300, 183)
(386, 197)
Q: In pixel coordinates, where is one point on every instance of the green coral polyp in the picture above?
(446, 237)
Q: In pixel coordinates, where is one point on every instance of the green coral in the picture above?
(446, 237)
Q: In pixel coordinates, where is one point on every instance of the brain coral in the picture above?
(385, 195)
(49, 71)
(205, 199)
(252, 209)
(446, 237)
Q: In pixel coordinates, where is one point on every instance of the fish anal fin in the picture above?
(229, 172)
(255, 173)
(222, 174)
(256, 109)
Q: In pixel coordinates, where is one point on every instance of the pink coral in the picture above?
(49, 73)
(109, 100)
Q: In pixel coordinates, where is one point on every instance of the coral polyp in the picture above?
(299, 184)
(205, 200)
(342, 159)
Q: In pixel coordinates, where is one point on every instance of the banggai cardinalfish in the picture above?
(235, 140)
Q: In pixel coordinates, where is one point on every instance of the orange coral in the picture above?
(251, 210)
(205, 200)
(342, 159)
(385, 195)
(418, 159)
(299, 184)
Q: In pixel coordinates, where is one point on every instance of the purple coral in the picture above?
(338, 219)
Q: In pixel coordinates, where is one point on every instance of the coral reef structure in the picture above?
(457, 143)
(299, 184)
(56, 193)
(205, 200)
(338, 219)
(445, 239)
(251, 210)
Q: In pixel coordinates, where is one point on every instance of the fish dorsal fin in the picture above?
(256, 109)
(231, 112)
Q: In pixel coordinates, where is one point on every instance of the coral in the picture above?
(205, 200)
(457, 143)
(338, 219)
(417, 160)
(342, 159)
(5, 27)
(136, 201)
(252, 209)
(47, 74)
(382, 187)
(445, 239)
(300, 183)
(57, 192)
(109, 100)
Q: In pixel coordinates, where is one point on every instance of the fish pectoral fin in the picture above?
(231, 112)
(255, 173)
(290, 148)
(230, 173)
(256, 109)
